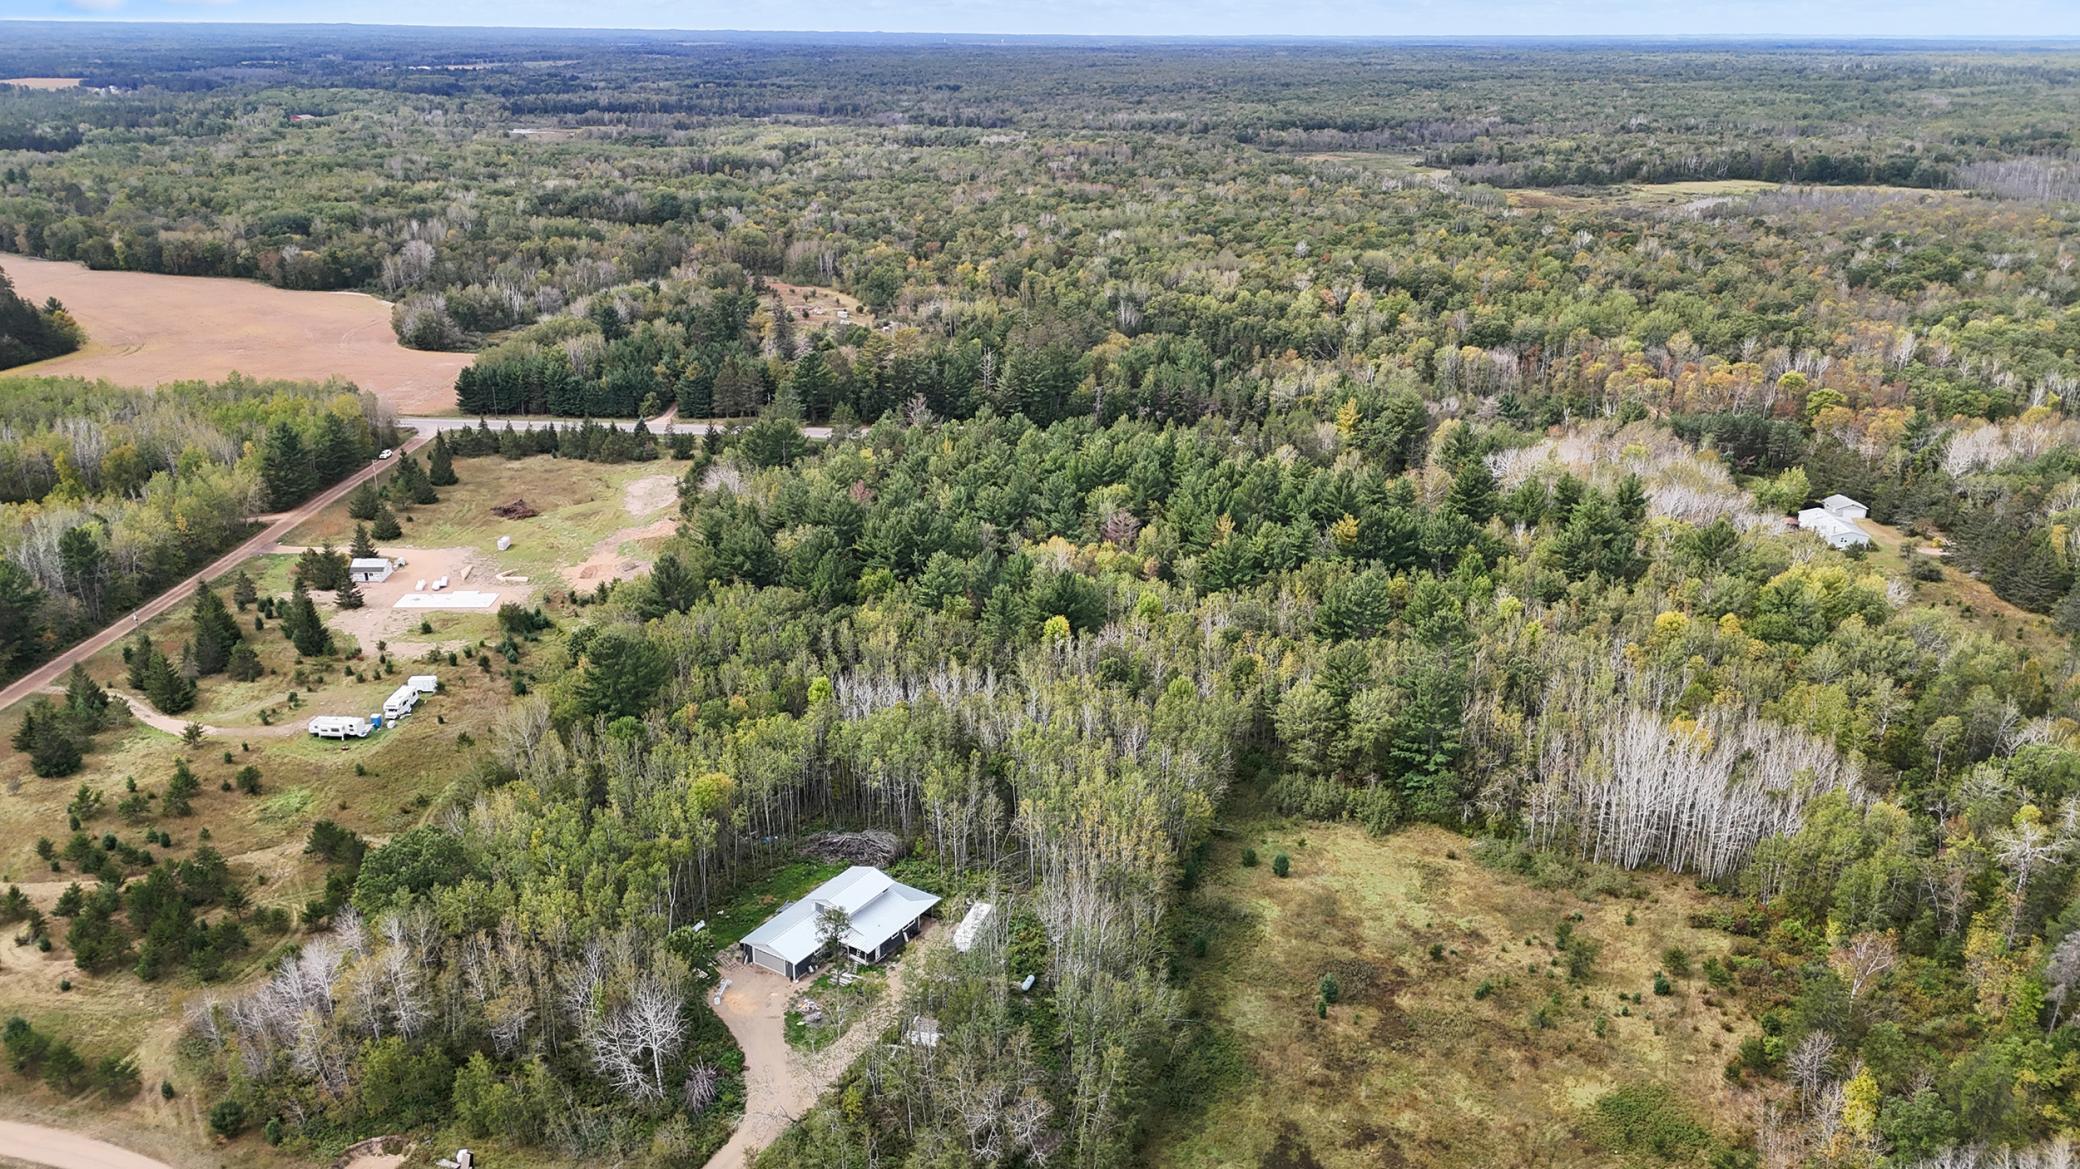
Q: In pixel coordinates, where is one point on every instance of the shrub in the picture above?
(1646, 1118)
(1249, 858)
(228, 1118)
(1331, 991)
(1661, 984)
(1676, 961)
(1281, 865)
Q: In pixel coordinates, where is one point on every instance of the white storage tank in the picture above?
(504, 542)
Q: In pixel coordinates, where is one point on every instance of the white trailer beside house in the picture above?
(400, 702)
(339, 726)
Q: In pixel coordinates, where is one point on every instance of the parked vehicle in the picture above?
(338, 726)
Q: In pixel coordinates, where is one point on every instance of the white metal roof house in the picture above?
(1839, 532)
(369, 569)
(884, 914)
(1845, 507)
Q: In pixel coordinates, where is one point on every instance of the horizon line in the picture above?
(2072, 38)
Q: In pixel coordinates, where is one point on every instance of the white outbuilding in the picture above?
(881, 912)
(1845, 507)
(370, 569)
(423, 683)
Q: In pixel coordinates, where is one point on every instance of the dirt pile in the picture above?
(516, 510)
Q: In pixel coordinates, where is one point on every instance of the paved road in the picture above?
(66, 1150)
(283, 523)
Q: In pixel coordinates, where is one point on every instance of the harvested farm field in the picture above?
(144, 329)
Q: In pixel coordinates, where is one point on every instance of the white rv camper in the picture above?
(400, 702)
(339, 726)
(423, 683)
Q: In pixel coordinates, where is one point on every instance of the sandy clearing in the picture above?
(144, 329)
(651, 493)
(43, 82)
(379, 618)
(607, 562)
(66, 1150)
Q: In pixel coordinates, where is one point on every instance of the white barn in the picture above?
(884, 914)
(1845, 507)
(370, 569)
(1839, 532)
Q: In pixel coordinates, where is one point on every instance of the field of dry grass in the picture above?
(598, 521)
(144, 329)
(1458, 1037)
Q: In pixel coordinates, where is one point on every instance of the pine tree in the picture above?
(1473, 491)
(440, 465)
(412, 481)
(244, 665)
(364, 500)
(164, 686)
(307, 628)
(243, 591)
(363, 548)
(21, 613)
(215, 631)
(336, 450)
(181, 790)
(138, 659)
(285, 467)
(85, 700)
(815, 387)
(50, 739)
(385, 526)
(349, 595)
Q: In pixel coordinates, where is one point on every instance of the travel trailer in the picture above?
(339, 726)
(400, 702)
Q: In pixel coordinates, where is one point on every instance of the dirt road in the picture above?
(65, 1150)
(780, 1083)
(49, 672)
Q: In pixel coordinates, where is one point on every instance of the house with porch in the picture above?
(882, 914)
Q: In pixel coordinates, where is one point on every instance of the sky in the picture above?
(1819, 18)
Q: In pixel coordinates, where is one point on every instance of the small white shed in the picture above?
(370, 569)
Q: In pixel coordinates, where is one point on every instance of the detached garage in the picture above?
(884, 914)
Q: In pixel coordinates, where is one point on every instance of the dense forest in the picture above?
(1373, 434)
(108, 495)
(29, 333)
